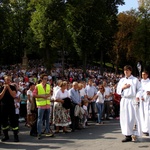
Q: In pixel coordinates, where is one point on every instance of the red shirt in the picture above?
(26, 79)
(117, 98)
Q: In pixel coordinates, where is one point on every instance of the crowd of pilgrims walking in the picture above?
(45, 99)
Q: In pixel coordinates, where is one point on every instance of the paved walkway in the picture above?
(95, 137)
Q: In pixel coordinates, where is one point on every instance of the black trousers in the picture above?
(34, 126)
(106, 109)
(92, 105)
(74, 120)
(117, 109)
(8, 117)
(23, 110)
(17, 117)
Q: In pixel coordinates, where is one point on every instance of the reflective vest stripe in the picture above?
(15, 128)
(5, 128)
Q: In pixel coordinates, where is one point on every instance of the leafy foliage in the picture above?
(78, 31)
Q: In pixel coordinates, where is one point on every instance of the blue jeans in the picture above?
(40, 119)
(100, 108)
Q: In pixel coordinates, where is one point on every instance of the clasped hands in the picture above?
(46, 96)
(6, 86)
(90, 99)
(148, 93)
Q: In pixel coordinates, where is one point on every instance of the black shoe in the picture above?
(107, 119)
(127, 139)
(78, 128)
(39, 136)
(65, 131)
(5, 138)
(145, 134)
(16, 138)
(57, 131)
(33, 134)
(87, 124)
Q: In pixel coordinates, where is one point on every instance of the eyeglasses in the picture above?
(45, 78)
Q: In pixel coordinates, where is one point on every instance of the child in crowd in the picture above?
(85, 105)
(17, 107)
(29, 104)
(17, 103)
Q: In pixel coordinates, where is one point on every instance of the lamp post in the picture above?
(139, 69)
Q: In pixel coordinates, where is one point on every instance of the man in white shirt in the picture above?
(91, 91)
(129, 88)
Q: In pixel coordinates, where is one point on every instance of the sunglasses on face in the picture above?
(45, 78)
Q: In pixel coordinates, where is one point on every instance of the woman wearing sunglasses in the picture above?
(100, 102)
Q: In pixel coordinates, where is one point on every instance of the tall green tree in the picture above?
(49, 28)
(92, 24)
(3, 26)
(15, 25)
(123, 48)
(142, 34)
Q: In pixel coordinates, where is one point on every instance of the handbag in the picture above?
(67, 103)
(33, 104)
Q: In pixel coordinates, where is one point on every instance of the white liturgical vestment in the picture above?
(129, 112)
(145, 105)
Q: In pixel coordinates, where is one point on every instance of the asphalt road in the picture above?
(96, 137)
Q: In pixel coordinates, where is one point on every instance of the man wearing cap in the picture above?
(129, 88)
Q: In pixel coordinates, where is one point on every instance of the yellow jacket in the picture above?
(41, 91)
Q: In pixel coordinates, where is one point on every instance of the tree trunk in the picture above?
(117, 62)
(101, 63)
(84, 62)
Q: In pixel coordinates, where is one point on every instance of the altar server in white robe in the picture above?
(145, 103)
(129, 88)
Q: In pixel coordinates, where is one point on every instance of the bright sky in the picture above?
(128, 5)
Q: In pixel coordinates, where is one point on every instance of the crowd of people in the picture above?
(41, 97)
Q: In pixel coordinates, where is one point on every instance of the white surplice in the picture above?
(129, 111)
(145, 106)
